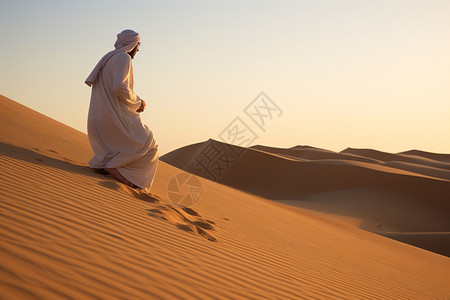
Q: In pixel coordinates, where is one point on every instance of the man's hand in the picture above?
(142, 107)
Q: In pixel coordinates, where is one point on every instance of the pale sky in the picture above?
(361, 74)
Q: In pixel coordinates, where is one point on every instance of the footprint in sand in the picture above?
(185, 219)
(182, 217)
(136, 193)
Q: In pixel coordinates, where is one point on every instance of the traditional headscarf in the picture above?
(126, 41)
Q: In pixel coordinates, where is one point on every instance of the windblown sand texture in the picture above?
(67, 232)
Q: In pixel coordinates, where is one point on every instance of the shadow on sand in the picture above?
(38, 157)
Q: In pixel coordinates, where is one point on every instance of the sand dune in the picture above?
(434, 156)
(67, 232)
(310, 153)
(27, 128)
(419, 169)
(276, 177)
(387, 157)
(418, 194)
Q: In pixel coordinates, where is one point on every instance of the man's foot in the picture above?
(114, 173)
(101, 171)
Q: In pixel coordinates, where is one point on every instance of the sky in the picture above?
(350, 73)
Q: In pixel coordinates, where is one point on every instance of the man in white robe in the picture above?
(123, 146)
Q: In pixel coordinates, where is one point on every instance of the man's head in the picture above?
(128, 41)
(135, 50)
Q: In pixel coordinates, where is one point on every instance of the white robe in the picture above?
(116, 133)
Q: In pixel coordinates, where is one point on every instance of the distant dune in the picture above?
(434, 156)
(339, 183)
(384, 156)
(69, 233)
(310, 153)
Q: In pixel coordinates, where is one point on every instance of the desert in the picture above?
(68, 232)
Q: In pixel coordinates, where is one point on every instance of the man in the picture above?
(122, 145)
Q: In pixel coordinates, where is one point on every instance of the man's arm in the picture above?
(121, 83)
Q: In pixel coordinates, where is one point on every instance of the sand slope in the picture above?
(67, 232)
(25, 127)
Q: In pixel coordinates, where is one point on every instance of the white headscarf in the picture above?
(126, 41)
